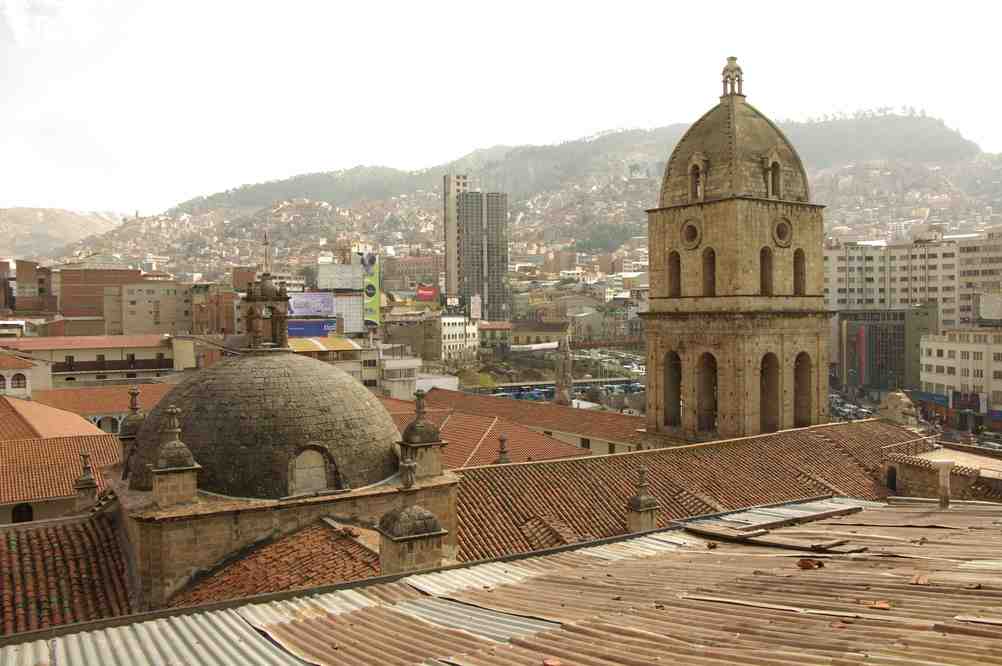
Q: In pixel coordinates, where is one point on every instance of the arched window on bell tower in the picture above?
(775, 181)
(695, 183)
(674, 275)
(709, 272)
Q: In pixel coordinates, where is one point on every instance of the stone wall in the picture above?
(42, 510)
(908, 476)
(410, 554)
(172, 546)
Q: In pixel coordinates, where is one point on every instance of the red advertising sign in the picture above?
(427, 293)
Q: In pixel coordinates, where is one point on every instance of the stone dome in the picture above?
(409, 521)
(734, 145)
(249, 420)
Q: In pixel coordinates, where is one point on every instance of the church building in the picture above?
(737, 333)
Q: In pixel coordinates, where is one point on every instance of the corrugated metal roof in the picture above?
(276, 612)
(480, 621)
(206, 639)
(479, 576)
(35, 653)
(926, 591)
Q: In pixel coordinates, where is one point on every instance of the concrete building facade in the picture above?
(483, 254)
(881, 349)
(737, 334)
(452, 186)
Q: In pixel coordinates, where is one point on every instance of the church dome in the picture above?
(271, 423)
(733, 151)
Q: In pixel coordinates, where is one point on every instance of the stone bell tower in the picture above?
(266, 308)
(737, 334)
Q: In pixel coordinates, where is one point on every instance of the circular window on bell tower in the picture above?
(782, 233)
(691, 234)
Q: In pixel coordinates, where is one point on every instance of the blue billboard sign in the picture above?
(312, 328)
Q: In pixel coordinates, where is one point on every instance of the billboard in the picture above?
(476, 306)
(311, 304)
(312, 328)
(370, 287)
(426, 292)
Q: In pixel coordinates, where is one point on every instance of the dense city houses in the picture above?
(313, 461)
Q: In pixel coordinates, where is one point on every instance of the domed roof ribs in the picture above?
(728, 152)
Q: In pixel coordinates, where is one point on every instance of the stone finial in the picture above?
(410, 538)
(503, 457)
(85, 485)
(134, 399)
(642, 500)
(408, 467)
(86, 478)
(420, 430)
(733, 77)
(174, 453)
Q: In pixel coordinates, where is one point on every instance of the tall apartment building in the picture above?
(868, 276)
(452, 186)
(482, 220)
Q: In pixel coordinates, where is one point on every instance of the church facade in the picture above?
(736, 332)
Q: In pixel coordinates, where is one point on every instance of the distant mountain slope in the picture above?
(36, 232)
(526, 170)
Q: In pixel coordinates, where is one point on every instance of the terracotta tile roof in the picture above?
(474, 439)
(45, 468)
(22, 419)
(315, 555)
(101, 399)
(11, 362)
(61, 572)
(499, 507)
(607, 426)
(57, 342)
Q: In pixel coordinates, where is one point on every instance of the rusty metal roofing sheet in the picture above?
(478, 576)
(373, 635)
(275, 612)
(483, 622)
(644, 546)
(35, 653)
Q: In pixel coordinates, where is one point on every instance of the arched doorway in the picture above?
(768, 399)
(765, 272)
(802, 403)
(799, 273)
(22, 513)
(709, 272)
(673, 389)
(674, 275)
(706, 393)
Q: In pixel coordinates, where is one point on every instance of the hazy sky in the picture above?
(139, 105)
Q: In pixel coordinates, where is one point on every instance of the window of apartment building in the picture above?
(979, 373)
(950, 370)
(965, 356)
(977, 356)
(940, 370)
(965, 372)
(132, 302)
(369, 363)
(996, 374)
(951, 353)
(979, 388)
(939, 353)
(369, 382)
(131, 358)
(585, 443)
(69, 361)
(964, 337)
(101, 377)
(997, 357)
(927, 367)
(981, 339)
(965, 388)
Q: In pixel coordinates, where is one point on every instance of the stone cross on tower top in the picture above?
(733, 77)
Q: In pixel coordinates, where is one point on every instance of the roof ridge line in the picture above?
(480, 443)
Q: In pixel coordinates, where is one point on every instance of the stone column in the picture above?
(944, 467)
